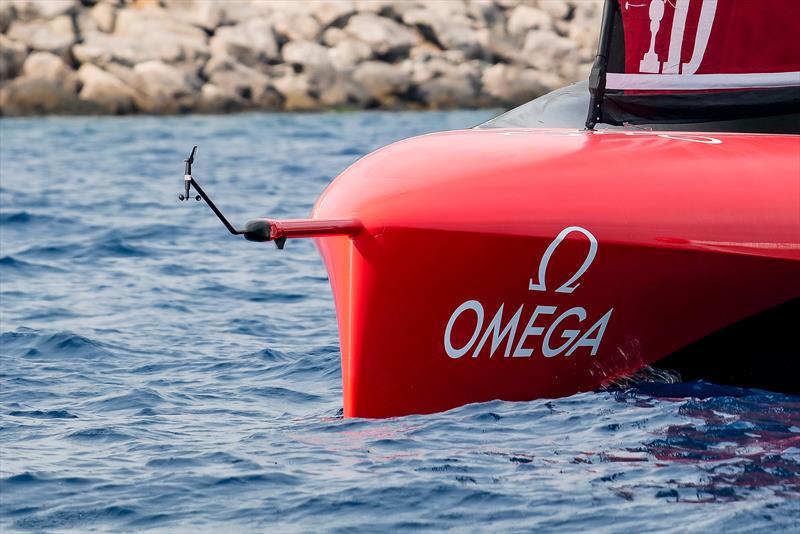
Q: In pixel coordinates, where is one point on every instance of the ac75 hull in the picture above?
(520, 264)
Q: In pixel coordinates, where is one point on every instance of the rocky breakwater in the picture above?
(176, 56)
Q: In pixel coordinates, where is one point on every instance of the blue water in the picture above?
(159, 374)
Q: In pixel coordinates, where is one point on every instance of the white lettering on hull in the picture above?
(544, 325)
(549, 344)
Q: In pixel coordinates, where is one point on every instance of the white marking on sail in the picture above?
(669, 82)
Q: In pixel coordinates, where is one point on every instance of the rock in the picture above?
(12, 57)
(450, 9)
(52, 68)
(7, 15)
(307, 54)
(485, 12)
(46, 36)
(424, 51)
(37, 96)
(348, 53)
(331, 12)
(558, 9)
(104, 16)
(294, 89)
(526, 18)
(154, 34)
(296, 26)
(108, 92)
(386, 38)
(385, 8)
(126, 74)
(323, 81)
(584, 29)
(511, 85)
(239, 11)
(214, 99)
(449, 30)
(102, 48)
(383, 82)
(333, 36)
(27, 10)
(250, 43)
(548, 52)
(206, 14)
(498, 46)
(511, 4)
(144, 35)
(459, 35)
(163, 88)
(238, 84)
(587, 9)
(443, 85)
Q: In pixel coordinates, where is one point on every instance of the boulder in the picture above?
(7, 16)
(458, 34)
(157, 35)
(452, 9)
(485, 12)
(447, 29)
(206, 14)
(51, 36)
(323, 81)
(557, 9)
(349, 53)
(250, 43)
(102, 48)
(35, 96)
(104, 15)
(526, 18)
(548, 52)
(238, 11)
(12, 57)
(441, 84)
(511, 85)
(238, 85)
(331, 12)
(52, 68)
(308, 54)
(295, 26)
(214, 99)
(424, 51)
(498, 46)
(382, 82)
(106, 91)
(384, 36)
(333, 36)
(27, 10)
(163, 88)
(295, 90)
(385, 8)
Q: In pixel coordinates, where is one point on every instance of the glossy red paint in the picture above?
(690, 233)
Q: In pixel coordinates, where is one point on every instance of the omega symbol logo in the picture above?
(570, 285)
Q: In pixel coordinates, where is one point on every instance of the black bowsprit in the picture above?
(277, 231)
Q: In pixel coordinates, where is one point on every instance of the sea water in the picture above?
(160, 374)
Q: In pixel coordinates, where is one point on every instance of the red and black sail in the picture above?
(681, 61)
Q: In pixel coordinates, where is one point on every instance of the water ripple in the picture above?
(158, 374)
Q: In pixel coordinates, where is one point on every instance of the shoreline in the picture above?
(173, 57)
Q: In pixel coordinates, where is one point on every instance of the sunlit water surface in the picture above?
(158, 373)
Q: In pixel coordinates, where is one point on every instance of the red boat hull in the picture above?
(521, 264)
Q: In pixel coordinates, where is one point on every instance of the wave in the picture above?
(59, 345)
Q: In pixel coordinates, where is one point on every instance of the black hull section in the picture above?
(758, 352)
